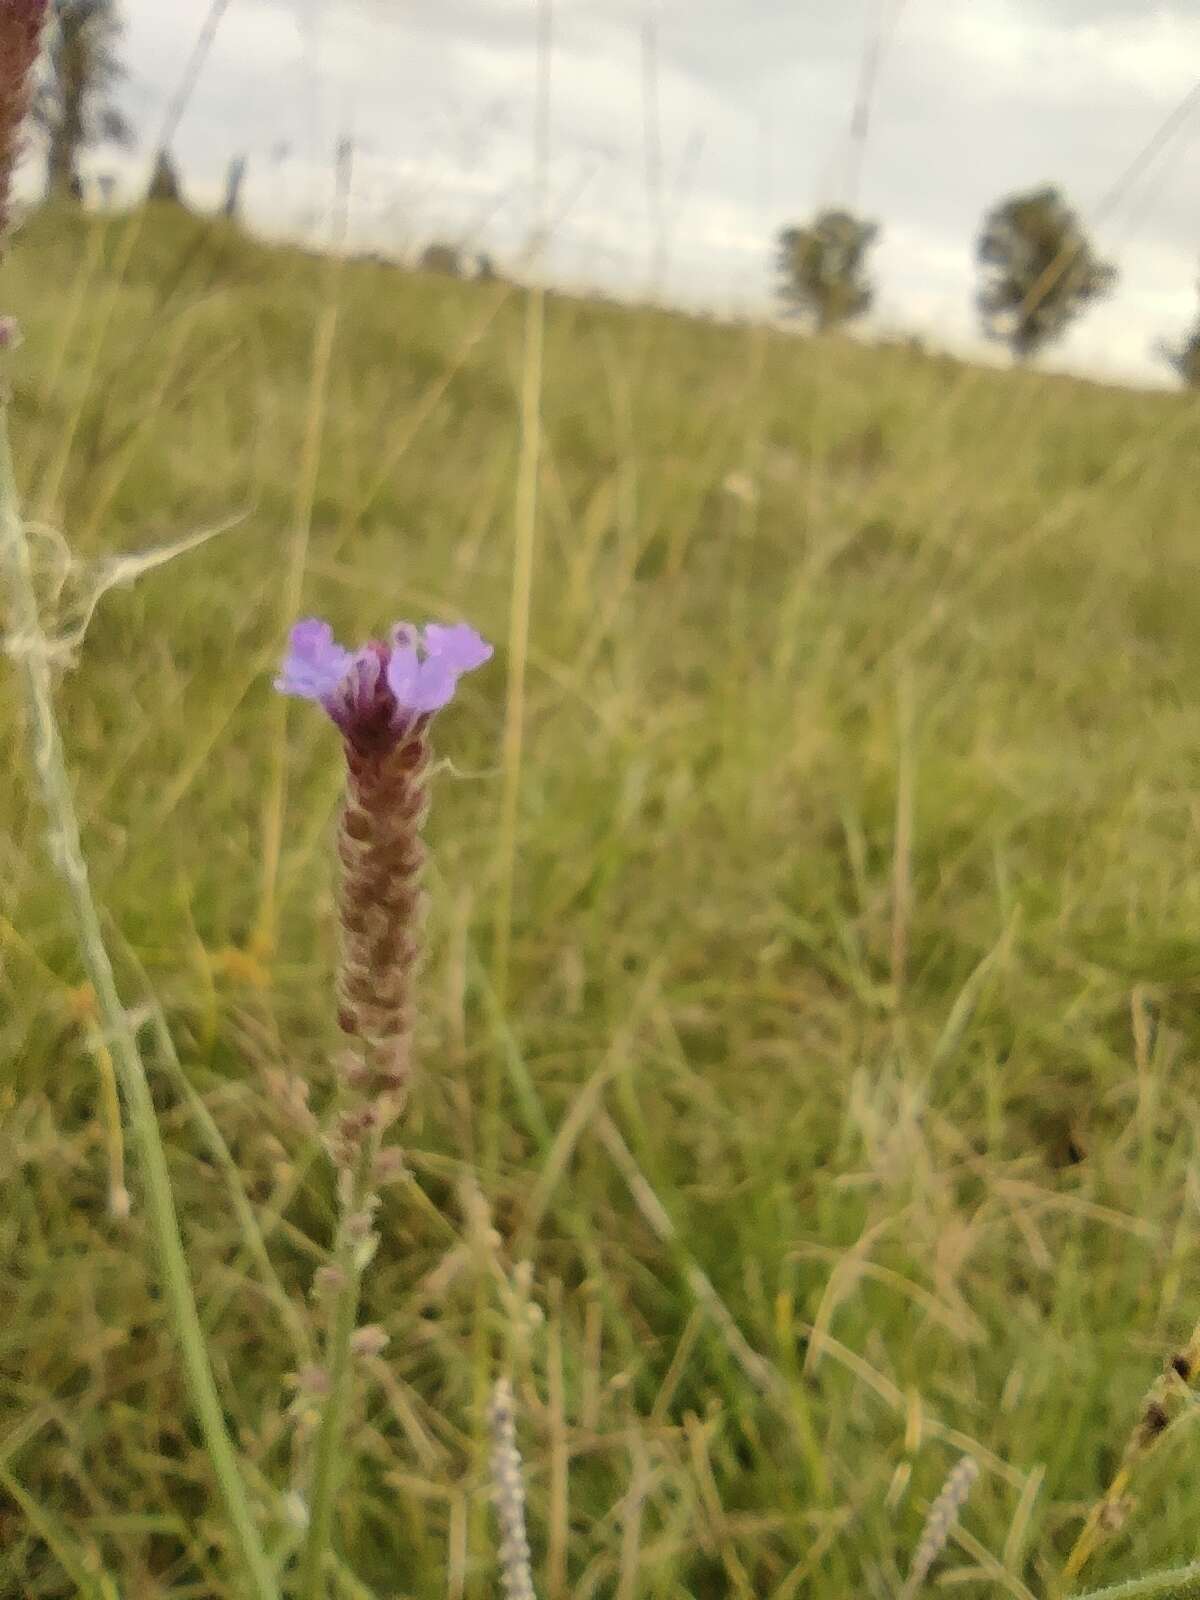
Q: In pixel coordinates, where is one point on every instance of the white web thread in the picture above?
(93, 579)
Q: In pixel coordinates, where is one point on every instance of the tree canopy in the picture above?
(823, 267)
(1039, 270)
(74, 104)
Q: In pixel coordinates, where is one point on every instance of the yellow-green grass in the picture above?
(856, 923)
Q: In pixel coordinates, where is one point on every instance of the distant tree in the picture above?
(1185, 356)
(164, 181)
(1039, 270)
(444, 258)
(823, 267)
(235, 177)
(485, 268)
(74, 104)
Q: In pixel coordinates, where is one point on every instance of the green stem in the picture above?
(1181, 1583)
(328, 1448)
(28, 645)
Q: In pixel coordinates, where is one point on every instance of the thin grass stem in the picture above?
(324, 338)
(526, 517)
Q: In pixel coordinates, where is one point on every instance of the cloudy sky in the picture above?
(748, 104)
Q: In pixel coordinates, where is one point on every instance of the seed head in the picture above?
(508, 1495)
(939, 1523)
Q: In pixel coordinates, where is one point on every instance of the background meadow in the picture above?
(830, 1113)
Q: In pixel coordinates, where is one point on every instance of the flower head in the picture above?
(376, 694)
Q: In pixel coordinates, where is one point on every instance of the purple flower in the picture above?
(375, 694)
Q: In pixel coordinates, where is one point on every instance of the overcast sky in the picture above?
(972, 99)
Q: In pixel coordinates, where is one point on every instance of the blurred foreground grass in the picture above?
(856, 920)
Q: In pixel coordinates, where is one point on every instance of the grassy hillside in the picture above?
(855, 955)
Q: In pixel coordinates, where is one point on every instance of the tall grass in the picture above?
(29, 647)
(852, 968)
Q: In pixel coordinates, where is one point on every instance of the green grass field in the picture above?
(855, 949)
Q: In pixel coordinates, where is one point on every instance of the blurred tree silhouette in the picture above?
(444, 258)
(164, 180)
(1185, 357)
(823, 267)
(73, 105)
(1039, 270)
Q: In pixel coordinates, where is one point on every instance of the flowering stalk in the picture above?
(20, 34)
(381, 698)
(1172, 1392)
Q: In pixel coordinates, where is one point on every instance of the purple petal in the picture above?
(460, 646)
(403, 672)
(420, 686)
(436, 683)
(314, 665)
(423, 672)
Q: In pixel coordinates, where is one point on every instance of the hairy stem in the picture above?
(28, 646)
(350, 1259)
(1181, 1583)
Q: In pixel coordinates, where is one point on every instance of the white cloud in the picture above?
(973, 100)
(1152, 52)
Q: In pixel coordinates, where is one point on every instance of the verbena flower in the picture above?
(376, 694)
(382, 698)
